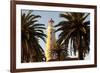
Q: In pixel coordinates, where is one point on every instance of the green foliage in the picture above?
(76, 28)
(31, 32)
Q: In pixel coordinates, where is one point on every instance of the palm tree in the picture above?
(31, 32)
(75, 28)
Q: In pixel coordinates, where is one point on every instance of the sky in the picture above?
(45, 17)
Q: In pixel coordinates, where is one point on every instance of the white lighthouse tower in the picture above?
(51, 42)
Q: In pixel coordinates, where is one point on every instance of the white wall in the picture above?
(5, 36)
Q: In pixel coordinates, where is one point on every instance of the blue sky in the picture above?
(45, 17)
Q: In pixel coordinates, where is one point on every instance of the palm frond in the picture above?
(75, 28)
(62, 23)
(83, 19)
(66, 16)
(36, 25)
(32, 31)
(86, 23)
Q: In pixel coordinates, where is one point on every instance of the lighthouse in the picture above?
(51, 55)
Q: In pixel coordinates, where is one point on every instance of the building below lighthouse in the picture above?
(51, 45)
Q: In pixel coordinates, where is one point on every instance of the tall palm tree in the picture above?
(31, 32)
(76, 29)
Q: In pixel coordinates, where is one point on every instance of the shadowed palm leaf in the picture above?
(31, 31)
(77, 29)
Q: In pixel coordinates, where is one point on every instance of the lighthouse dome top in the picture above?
(51, 21)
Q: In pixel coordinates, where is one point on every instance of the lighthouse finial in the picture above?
(51, 21)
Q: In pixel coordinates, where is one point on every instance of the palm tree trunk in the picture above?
(80, 48)
(81, 54)
(27, 50)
